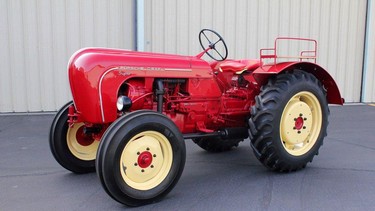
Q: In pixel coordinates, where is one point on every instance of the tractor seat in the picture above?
(239, 66)
(251, 64)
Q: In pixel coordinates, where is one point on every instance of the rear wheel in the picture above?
(217, 144)
(140, 158)
(289, 121)
(71, 147)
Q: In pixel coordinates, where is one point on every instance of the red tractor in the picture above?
(131, 112)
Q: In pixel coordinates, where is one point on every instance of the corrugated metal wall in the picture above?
(247, 25)
(37, 38)
(369, 77)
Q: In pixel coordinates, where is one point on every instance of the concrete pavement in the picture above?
(341, 177)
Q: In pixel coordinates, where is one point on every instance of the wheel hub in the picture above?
(82, 138)
(82, 146)
(144, 159)
(300, 123)
(296, 122)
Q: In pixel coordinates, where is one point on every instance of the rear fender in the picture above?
(263, 73)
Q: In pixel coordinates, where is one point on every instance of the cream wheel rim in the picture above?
(80, 145)
(301, 123)
(146, 160)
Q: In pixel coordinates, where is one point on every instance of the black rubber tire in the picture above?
(114, 141)
(264, 125)
(217, 144)
(59, 147)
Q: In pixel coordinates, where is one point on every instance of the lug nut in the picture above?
(154, 155)
(299, 132)
(300, 114)
(304, 127)
(138, 153)
(148, 149)
(305, 119)
(135, 164)
(142, 170)
(152, 166)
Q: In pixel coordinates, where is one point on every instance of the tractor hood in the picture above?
(95, 74)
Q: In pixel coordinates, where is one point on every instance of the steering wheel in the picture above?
(217, 43)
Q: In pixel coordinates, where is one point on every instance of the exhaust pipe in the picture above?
(159, 95)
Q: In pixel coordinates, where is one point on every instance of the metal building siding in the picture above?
(37, 38)
(369, 77)
(247, 25)
(5, 83)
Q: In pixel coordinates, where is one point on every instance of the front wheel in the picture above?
(71, 147)
(289, 121)
(140, 158)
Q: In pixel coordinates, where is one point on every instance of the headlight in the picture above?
(123, 103)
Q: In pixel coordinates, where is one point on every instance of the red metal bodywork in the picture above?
(199, 96)
(333, 94)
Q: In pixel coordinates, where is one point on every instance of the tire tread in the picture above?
(261, 123)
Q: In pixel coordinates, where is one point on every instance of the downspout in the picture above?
(368, 32)
(139, 25)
